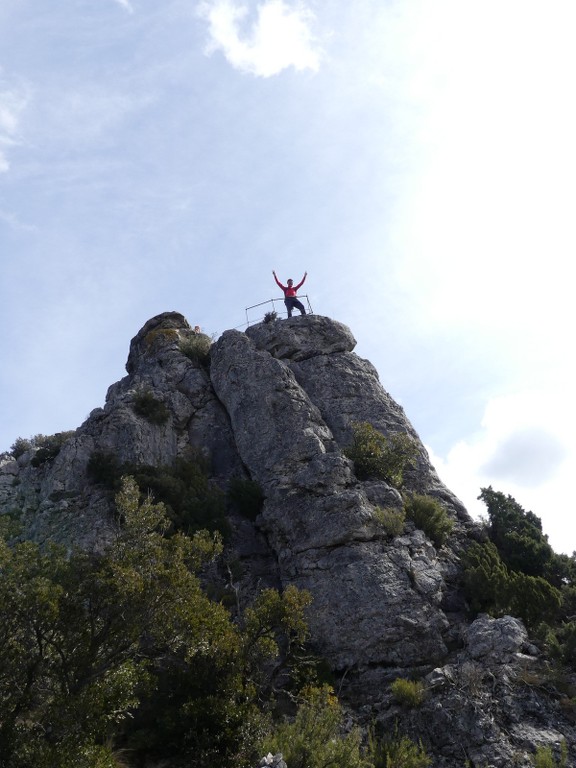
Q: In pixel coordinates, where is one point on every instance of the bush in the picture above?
(314, 739)
(392, 520)
(192, 501)
(408, 693)
(21, 446)
(149, 407)
(396, 752)
(269, 317)
(428, 514)
(105, 469)
(378, 457)
(485, 579)
(247, 496)
(47, 447)
(561, 643)
(197, 347)
(491, 587)
(544, 757)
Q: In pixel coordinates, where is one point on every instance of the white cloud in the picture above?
(15, 223)
(126, 4)
(524, 448)
(280, 36)
(12, 103)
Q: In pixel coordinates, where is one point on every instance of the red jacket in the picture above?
(289, 292)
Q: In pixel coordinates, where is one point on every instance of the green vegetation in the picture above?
(492, 587)
(149, 407)
(517, 534)
(408, 693)
(314, 738)
(46, 447)
(160, 337)
(246, 496)
(270, 317)
(428, 514)
(544, 757)
(517, 572)
(378, 457)
(125, 650)
(197, 347)
(392, 520)
(124, 654)
(192, 501)
(396, 752)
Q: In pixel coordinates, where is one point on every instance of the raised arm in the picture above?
(278, 281)
(301, 283)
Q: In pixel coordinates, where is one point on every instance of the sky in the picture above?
(415, 157)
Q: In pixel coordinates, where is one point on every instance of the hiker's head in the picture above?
(290, 281)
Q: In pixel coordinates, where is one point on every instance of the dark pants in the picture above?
(291, 303)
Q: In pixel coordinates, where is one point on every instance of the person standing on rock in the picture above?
(290, 292)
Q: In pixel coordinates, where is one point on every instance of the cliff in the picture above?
(276, 404)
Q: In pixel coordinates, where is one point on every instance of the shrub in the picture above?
(392, 520)
(561, 643)
(544, 757)
(145, 404)
(269, 317)
(314, 739)
(485, 579)
(160, 337)
(533, 599)
(396, 752)
(408, 693)
(247, 496)
(491, 587)
(48, 447)
(197, 347)
(21, 446)
(192, 501)
(376, 456)
(427, 514)
(105, 469)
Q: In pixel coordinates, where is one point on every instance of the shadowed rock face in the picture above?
(277, 404)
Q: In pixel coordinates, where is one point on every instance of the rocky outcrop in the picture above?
(276, 404)
(375, 600)
(58, 501)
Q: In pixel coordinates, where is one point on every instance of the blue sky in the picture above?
(417, 158)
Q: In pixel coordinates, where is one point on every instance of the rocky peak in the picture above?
(276, 404)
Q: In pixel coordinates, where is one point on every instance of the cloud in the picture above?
(13, 100)
(15, 223)
(529, 457)
(126, 4)
(280, 36)
(524, 448)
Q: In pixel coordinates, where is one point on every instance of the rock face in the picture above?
(276, 404)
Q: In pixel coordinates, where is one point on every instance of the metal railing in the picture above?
(271, 304)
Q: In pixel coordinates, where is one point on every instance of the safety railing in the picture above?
(253, 313)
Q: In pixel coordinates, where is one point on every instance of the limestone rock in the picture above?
(276, 404)
(295, 339)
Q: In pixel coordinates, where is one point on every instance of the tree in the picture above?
(492, 587)
(517, 534)
(72, 657)
(96, 649)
